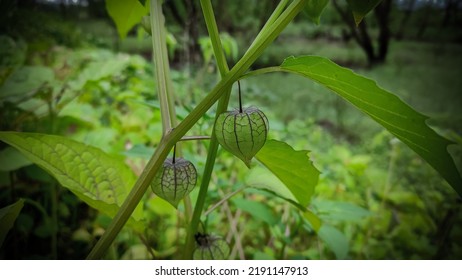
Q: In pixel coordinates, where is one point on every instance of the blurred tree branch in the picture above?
(361, 34)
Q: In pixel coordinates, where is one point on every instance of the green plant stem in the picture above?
(172, 136)
(187, 208)
(212, 29)
(161, 66)
(223, 200)
(391, 169)
(164, 81)
(190, 138)
(222, 105)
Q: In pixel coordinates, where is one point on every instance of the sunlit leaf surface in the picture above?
(100, 180)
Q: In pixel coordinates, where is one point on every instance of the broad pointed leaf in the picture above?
(95, 177)
(339, 211)
(335, 240)
(313, 219)
(314, 9)
(262, 178)
(293, 168)
(361, 8)
(8, 215)
(257, 209)
(385, 108)
(125, 14)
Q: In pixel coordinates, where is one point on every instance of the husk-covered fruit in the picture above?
(175, 180)
(242, 133)
(210, 247)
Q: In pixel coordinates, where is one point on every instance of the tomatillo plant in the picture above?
(242, 132)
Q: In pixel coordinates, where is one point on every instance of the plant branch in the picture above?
(161, 66)
(190, 138)
(225, 198)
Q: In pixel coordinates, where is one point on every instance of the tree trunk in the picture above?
(382, 13)
(365, 42)
(407, 15)
(361, 34)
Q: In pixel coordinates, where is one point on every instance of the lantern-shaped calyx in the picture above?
(242, 132)
(210, 247)
(175, 180)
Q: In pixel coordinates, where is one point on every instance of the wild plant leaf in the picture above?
(125, 14)
(257, 209)
(339, 211)
(383, 107)
(101, 181)
(335, 240)
(293, 168)
(361, 8)
(314, 9)
(25, 82)
(8, 215)
(313, 219)
(262, 178)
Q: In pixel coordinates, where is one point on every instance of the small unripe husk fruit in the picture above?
(210, 247)
(175, 180)
(243, 133)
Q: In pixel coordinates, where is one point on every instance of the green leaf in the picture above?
(8, 215)
(361, 8)
(25, 82)
(383, 107)
(11, 159)
(125, 14)
(335, 240)
(257, 209)
(97, 70)
(314, 221)
(339, 211)
(314, 9)
(96, 178)
(262, 178)
(293, 168)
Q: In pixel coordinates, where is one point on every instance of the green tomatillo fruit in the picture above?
(210, 247)
(175, 180)
(242, 132)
